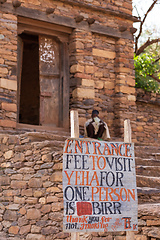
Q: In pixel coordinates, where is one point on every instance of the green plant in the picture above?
(145, 68)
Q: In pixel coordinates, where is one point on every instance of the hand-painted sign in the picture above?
(99, 186)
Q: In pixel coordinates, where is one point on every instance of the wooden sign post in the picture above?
(74, 134)
(128, 139)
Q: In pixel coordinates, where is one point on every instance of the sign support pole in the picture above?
(128, 139)
(74, 134)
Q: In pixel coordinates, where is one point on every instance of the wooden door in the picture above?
(50, 82)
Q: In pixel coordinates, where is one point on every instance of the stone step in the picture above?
(145, 151)
(42, 136)
(146, 181)
(152, 171)
(149, 209)
(147, 161)
(148, 195)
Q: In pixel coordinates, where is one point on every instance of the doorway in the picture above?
(43, 81)
(30, 88)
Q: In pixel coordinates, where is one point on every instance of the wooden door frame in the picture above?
(19, 72)
(30, 26)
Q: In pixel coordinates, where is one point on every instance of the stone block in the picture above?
(154, 232)
(98, 74)
(56, 206)
(9, 154)
(42, 200)
(38, 193)
(49, 230)
(25, 229)
(124, 70)
(19, 200)
(18, 184)
(130, 81)
(13, 207)
(79, 45)
(54, 189)
(3, 71)
(28, 152)
(153, 222)
(1, 60)
(8, 84)
(51, 199)
(35, 229)
(10, 26)
(89, 69)
(109, 85)
(83, 93)
(56, 177)
(139, 129)
(83, 75)
(87, 82)
(19, 157)
(120, 238)
(46, 209)
(22, 211)
(7, 123)
(27, 192)
(10, 215)
(33, 214)
(31, 200)
(131, 98)
(125, 89)
(103, 53)
(77, 68)
(99, 84)
(13, 230)
(56, 216)
(35, 183)
(47, 158)
(140, 237)
(11, 115)
(58, 166)
(4, 180)
(10, 16)
(35, 237)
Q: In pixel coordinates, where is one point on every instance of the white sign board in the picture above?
(99, 186)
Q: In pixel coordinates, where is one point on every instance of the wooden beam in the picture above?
(74, 134)
(74, 124)
(128, 139)
(62, 21)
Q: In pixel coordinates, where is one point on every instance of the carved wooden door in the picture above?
(50, 82)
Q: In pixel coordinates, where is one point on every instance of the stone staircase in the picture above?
(148, 173)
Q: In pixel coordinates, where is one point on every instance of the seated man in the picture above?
(96, 128)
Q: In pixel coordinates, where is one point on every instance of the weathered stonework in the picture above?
(31, 198)
(96, 35)
(100, 57)
(147, 129)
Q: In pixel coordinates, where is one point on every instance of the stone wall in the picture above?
(147, 118)
(30, 188)
(101, 58)
(8, 66)
(31, 198)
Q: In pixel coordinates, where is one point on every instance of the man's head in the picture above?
(95, 113)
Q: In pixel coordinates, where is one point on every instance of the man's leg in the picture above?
(90, 131)
(100, 131)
